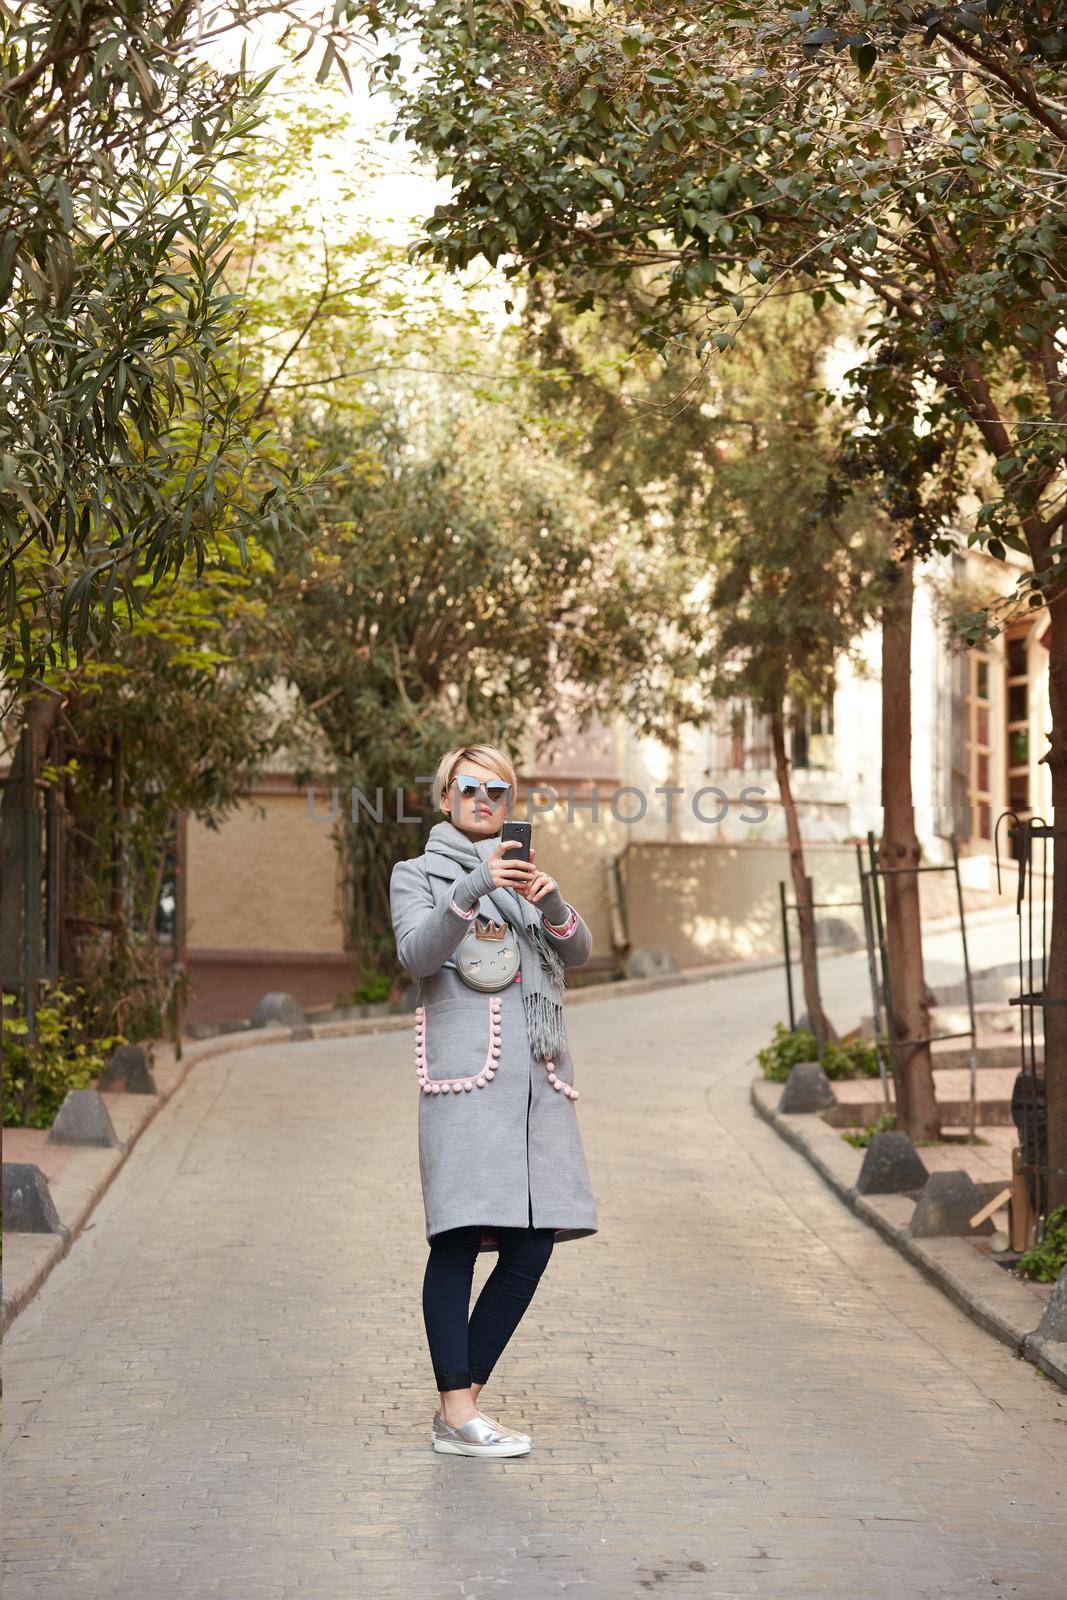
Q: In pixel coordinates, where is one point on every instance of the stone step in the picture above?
(862, 1113)
(860, 1101)
(996, 1049)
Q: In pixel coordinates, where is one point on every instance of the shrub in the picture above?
(852, 1058)
(778, 1058)
(38, 1075)
(1046, 1260)
(372, 987)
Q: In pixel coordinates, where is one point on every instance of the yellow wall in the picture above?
(578, 856)
(720, 902)
(264, 881)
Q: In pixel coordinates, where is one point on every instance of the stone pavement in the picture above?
(735, 1389)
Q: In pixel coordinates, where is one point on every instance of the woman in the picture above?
(500, 1154)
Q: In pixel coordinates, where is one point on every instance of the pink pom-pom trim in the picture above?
(557, 1082)
(474, 1080)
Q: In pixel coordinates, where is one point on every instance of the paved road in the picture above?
(735, 1389)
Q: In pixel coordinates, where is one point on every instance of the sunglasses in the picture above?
(495, 791)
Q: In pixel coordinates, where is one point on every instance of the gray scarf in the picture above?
(543, 973)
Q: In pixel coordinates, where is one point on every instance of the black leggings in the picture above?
(464, 1353)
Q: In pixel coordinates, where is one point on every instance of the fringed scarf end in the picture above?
(544, 1023)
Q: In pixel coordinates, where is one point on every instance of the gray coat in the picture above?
(507, 1153)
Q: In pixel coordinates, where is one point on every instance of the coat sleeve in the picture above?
(574, 947)
(426, 933)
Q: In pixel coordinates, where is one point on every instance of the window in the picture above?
(749, 739)
(747, 744)
(759, 746)
(979, 742)
(811, 730)
(1017, 722)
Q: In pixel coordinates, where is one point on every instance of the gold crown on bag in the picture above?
(486, 928)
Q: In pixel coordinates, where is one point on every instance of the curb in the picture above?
(992, 1298)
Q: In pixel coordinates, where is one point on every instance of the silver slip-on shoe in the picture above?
(517, 1431)
(476, 1437)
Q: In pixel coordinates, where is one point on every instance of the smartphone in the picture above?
(521, 831)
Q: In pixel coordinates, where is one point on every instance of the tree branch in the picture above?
(1023, 92)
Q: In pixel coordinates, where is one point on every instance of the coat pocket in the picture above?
(454, 1035)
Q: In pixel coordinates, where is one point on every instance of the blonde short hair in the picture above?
(487, 755)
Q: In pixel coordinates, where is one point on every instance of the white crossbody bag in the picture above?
(488, 956)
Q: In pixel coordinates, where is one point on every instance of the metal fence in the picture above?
(31, 912)
(1030, 838)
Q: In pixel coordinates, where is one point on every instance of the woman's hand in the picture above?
(539, 885)
(507, 873)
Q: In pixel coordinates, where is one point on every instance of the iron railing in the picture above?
(1029, 1105)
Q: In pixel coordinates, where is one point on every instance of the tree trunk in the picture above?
(1056, 986)
(809, 960)
(906, 1007)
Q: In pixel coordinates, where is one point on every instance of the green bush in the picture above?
(778, 1058)
(374, 986)
(854, 1058)
(38, 1075)
(1046, 1260)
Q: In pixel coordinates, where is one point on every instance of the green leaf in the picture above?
(328, 57)
(609, 180)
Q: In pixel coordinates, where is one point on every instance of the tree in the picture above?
(129, 449)
(459, 581)
(451, 566)
(798, 565)
(916, 161)
(126, 445)
(165, 716)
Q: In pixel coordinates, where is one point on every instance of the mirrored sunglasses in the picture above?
(494, 791)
